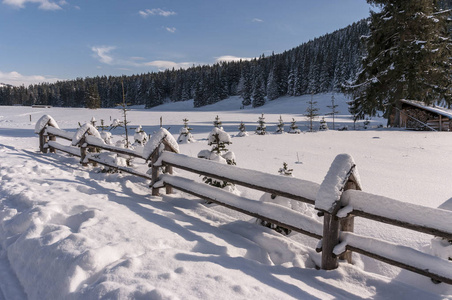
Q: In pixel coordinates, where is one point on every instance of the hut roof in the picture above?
(445, 112)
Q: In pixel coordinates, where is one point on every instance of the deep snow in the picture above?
(71, 232)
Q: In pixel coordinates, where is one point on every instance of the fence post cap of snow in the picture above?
(342, 170)
(43, 122)
(86, 128)
(162, 136)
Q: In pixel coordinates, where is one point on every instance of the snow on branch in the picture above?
(332, 187)
(43, 122)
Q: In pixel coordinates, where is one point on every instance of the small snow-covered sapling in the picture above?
(261, 127)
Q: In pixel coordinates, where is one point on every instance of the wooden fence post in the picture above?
(42, 141)
(348, 223)
(52, 138)
(83, 150)
(155, 172)
(341, 176)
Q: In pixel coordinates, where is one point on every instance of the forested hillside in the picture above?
(320, 65)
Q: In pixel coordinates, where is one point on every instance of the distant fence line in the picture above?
(338, 199)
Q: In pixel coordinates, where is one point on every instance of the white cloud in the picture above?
(228, 58)
(17, 79)
(156, 12)
(171, 29)
(257, 20)
(103, 54)
(43, 4)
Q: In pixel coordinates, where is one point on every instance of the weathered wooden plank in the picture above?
(197, 193)
(233, 180)
(120, 168)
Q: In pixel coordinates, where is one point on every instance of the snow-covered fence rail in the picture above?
(338, 199)
(86, 139)
(289, 187)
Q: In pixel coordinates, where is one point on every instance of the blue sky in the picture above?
(49, 40)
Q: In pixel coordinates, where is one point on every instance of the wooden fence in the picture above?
(338, 199)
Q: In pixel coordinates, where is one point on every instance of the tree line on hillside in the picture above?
(320, 65)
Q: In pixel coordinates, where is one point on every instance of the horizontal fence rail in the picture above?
(338, 199)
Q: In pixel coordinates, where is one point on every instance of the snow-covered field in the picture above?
(70, 232)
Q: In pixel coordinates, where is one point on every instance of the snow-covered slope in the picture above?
(69, 232)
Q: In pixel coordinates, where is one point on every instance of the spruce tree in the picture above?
(409, 54)
(217, 123)
(333, 112)
(92, 98)
(261, 128)
(311, 112)
(294, 127)
(280, 125)
(242, 130)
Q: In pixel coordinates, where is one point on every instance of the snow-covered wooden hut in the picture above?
(416, 115)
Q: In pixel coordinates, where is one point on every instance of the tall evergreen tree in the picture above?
(409, 54)
(92, 98)
(311, 112)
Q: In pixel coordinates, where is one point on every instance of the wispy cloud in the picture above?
(156, 12)
(43, 4)
(17, 79)
(103, 54)
(257, 20)
(228, 58)
(171, 29)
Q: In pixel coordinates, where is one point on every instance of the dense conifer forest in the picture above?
(320, 65)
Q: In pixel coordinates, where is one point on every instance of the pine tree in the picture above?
(409, 54)
(242, 130)
(259, 93)
(217, 123)
(185, 135)
(333, 112)
(323, 125)
(218, 139)
(280, 125)
(92, 98)
(272, 86)
(261, 128)
(294, 127)
(311, 112)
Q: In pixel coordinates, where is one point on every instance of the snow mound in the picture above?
(86, 128)
(43, 122)
(331, 189)
(156, 140)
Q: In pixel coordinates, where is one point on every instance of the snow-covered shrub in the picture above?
(218, 139)
(106, 137)
(261, 127)
(140, 137)
(323, 126)
(294, 127)
(185, 135)
(280, 126)
(286, 202)
(242, 130)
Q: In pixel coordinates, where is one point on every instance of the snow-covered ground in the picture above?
(70, 232)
